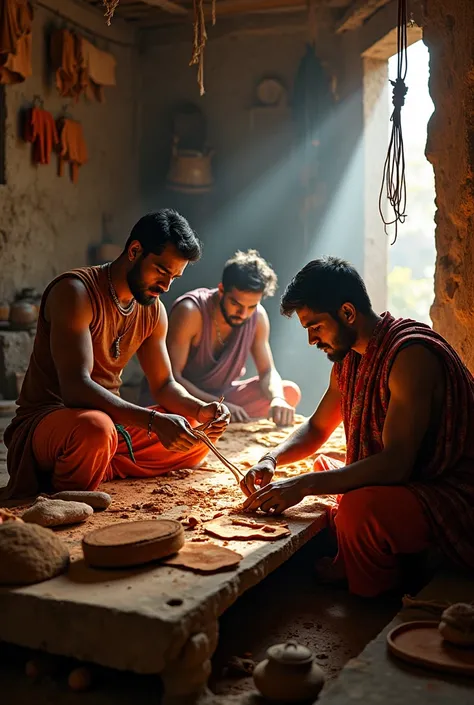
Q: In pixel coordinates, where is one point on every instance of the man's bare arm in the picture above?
(270, 380)
(412, 383)
(304, 441)
(184, 325)
(155, 362)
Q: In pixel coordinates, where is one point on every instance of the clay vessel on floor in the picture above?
(289, 674)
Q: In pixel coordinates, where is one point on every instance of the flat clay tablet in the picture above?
(132, 543)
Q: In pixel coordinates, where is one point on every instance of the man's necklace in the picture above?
(219, 336)
(124, 310)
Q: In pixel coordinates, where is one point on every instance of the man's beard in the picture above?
(228, 319)
(343, 343)
(138, 288)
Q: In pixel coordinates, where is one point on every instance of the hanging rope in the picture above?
(110, 7)
(393, 180)
(200, 39)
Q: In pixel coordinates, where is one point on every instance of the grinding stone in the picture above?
(30, 554)
(96, 500)
(132, 543)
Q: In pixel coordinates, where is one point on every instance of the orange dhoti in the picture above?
(82, 448)
(374, 527)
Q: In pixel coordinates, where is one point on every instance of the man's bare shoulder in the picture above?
(416, 362)
(69, 294)
(186, 310)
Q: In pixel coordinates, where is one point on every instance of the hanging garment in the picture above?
(63, 52)
(100, 69)
(15, 20)
(72, 147)
(15, 64)
(17, 67)
(40, 130)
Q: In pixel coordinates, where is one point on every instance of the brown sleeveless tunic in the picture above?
(41, 394)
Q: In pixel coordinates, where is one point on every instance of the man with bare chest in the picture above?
(213, 331)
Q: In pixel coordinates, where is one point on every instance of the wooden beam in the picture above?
(358, 13)
(168, 6)
(233, 7)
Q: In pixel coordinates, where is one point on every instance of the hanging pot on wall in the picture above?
(190, 171)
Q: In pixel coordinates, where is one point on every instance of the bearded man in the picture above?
(407, 404)
(72, 430)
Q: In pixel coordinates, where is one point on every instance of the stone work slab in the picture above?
(144, 620)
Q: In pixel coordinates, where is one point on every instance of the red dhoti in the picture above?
(374, 527)
(82, 448)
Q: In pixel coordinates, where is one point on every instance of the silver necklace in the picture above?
(219, 337)
(125, 311)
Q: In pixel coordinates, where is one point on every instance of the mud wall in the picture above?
(46, 222)
(449, 34)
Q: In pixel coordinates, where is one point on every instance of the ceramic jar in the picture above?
(4, 311)
(289, 674)
(23, 314)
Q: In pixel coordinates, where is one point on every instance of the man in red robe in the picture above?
(407, 404)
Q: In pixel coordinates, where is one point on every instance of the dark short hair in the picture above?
(324, 285)
(155, 231)
(247, 271)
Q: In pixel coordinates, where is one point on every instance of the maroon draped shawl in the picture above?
(443, 477)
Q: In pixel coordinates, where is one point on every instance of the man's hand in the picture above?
(219, 415)
(174, 432)
(238, 414)
(257, 477)
(281, 412)
(275, 497)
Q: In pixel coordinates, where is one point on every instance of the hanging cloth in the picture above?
(100, 66)
(16, 19)
(73, 147)
(40, 130)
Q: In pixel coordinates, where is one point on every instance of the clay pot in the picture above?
(23, 314)
(4, 311)
(289, 674)
(190, 171)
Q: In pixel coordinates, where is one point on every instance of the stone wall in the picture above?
(47, 223)
(449, 34)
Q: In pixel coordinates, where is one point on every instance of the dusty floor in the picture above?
(289, 604)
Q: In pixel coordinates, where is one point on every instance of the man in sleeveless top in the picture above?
(213, 331)
(407, 403)
(72, 430)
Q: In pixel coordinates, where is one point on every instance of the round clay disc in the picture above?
(132, 543)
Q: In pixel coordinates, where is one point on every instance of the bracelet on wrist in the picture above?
(153, 413)
(270, 457)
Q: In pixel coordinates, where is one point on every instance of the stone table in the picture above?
(156, 619)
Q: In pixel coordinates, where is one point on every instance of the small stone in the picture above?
(96, 500)
(30, 554)
(193, 521)
(56, 512)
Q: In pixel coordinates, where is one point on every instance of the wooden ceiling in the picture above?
(152, 13)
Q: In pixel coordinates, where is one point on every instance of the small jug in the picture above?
(289, 674)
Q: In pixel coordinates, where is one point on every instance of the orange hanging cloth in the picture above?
(16, 20)
(14, 15)
(40, 130)
(62, 50)
(73, 147)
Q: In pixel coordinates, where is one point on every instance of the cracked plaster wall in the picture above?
(449, 34)
(47, 223)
